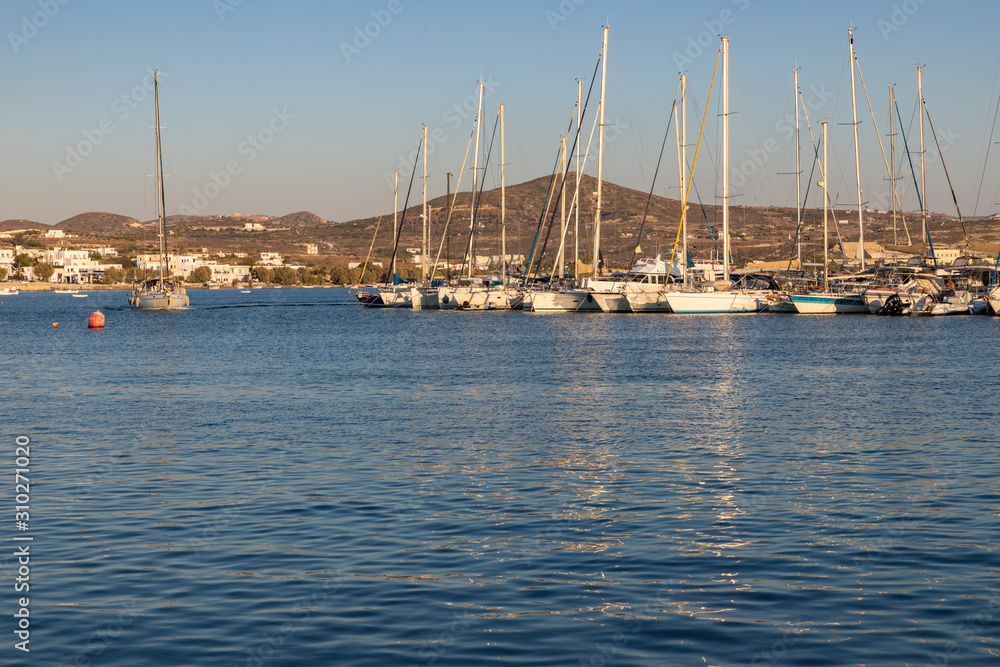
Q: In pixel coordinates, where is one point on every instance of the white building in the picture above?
(180, 265)
(227, 273)
(183, 265)
(74, 266)
(270, 259)
(7, 258)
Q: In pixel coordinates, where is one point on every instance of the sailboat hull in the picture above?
(160, 300)
(646, 302)
(480, 297)
(612, 302)
(698, 303)
(571, 301)
(828, 303)
(424, 298)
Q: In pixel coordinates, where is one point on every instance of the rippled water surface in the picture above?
(274, 479)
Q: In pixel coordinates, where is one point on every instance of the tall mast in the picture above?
(560, 268)
(447, 240)
(600, 156)
(923, 156)
(475, 177)
(503, 203)
(725, 155)
(683, 176)
(857, 156)
(161, 200)
(826, 207)
(798, 173)
(892, 163)
(576, 207)
(425, 250)
(395, 213)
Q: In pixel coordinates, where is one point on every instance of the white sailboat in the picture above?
(827, 302)
(400, 294)
(423, 296)
(577, 300)
(482, 292)
(159, 292)
(490, 292)
(722, 297)
(640, 290)
(993, 300)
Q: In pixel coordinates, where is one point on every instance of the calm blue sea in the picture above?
(277, 479)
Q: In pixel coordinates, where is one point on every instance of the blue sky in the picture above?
(276, 107)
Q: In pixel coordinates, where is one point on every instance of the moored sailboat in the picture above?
(575, 299)
(826, 302)
(159, 292)
(723, 296)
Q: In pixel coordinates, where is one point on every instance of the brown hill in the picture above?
(758, 233)
(300, 219)
(10, 225)
(109, 224)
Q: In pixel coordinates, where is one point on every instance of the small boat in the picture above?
(79, 296)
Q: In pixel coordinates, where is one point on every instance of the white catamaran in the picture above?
(159, 292)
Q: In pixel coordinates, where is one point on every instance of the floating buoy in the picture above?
(96, 320)
(55, 325)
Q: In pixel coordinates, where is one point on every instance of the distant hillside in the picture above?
(758, 233)
(175, 220)
(100, 223)
(300, 219)
(8, 225)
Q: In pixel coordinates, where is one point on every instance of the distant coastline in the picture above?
(57, 287)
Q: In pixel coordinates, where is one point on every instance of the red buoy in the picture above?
(96, 320)
(55, 325)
